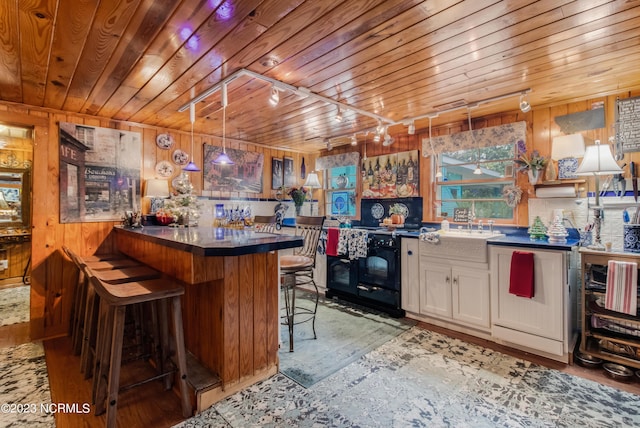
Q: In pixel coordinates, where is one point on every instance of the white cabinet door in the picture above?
(410, 274)
(542, 315)
(471, 301)
(435, 289)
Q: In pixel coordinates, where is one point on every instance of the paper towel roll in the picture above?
(556, 192)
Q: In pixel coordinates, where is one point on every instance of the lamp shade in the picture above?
(156, 188)
(598, 160)
(567, 146)
(312, 181)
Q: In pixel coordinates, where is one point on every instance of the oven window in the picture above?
(377, 267)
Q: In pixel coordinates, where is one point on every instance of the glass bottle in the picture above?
(303, 170)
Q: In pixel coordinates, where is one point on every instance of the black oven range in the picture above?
(374, 281)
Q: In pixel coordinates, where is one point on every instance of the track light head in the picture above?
(354, 141)
(411, 129)
(338, 117)
(524, 103)
(327, 142)
(376, 138)
(274, 98)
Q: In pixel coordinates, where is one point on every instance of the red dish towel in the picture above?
(622, 287)
(333, 234)
(521, 279)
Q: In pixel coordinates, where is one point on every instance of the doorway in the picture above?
(16, 157)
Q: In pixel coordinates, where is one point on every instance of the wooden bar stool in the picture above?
(297, 269)
(265, 223)
(114, 300)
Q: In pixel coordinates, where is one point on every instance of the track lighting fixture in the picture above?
(411, 128)
(387, 138)
(376, 138)
(524, 103)
(338, 117)
(354, 140)
(274, 98)
(328, 144)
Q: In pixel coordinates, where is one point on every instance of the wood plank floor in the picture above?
(150, 405)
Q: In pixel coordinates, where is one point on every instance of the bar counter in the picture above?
(230, 306)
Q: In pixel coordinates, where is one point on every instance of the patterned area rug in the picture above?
(24, 387)
(345, 333)
(424, 379)
(14, 305)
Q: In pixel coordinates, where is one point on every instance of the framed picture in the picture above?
(289, 173)
(276, 173)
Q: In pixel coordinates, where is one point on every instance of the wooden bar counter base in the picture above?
(230, 305)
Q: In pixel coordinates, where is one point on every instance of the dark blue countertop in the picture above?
(517, 237)
(213, 241)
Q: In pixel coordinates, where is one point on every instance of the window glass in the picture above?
(461, 186)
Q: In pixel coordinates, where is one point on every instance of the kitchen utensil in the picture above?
(634, 178)
(619, 183)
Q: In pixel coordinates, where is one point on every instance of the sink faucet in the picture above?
(491, 222)
(480, 228)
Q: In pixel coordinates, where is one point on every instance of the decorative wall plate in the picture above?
(164, 169)
(377, 211)
(180, 157)
(164, 141)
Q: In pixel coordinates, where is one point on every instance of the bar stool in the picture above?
(79, 299)
(114, 270)
(265, 223)
(114, 300)
(297, 269)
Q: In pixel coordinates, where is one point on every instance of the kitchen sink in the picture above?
(460, 245)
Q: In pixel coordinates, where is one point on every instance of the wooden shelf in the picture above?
(595, 340)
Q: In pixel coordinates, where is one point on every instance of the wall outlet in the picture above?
(4, 264)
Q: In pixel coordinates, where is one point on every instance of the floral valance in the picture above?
(334, 161)
(483, 137)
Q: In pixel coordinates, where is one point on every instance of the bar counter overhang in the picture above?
(230, 306)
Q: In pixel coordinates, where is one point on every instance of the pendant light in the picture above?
(478, 170)
(191, 166)
(438, 170)
(222, 158)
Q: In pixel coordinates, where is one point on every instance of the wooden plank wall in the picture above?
(52, 275)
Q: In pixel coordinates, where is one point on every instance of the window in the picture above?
(459, 187)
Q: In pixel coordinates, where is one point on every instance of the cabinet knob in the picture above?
(410, 253)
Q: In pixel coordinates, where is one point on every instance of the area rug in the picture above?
(14, 305)
(345, 333)
(24, 387)
(425, 379)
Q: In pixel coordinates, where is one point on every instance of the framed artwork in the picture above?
(277, 174)
(289, 173)
(99, 173)
(244, 175)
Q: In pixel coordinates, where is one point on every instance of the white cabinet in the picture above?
(543, 324)
(410, 274)
(453, 293)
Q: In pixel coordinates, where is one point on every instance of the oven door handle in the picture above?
(369, 289)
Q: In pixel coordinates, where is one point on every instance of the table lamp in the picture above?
(598, 161)
(312, 183)
(157, 190)
(566, 149)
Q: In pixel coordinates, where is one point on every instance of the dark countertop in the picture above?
(210, 241)
(517, 240)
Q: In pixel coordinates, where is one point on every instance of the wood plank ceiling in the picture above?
(140, 60)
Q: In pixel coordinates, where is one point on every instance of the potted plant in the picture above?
(299, 195)
(397, 213)
(531, 165)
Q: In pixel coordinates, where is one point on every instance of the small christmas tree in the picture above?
(183, 204)
(557, 232)
(537, 230)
